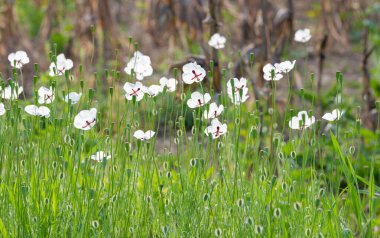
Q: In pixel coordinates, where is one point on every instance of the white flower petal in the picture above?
(85, 119)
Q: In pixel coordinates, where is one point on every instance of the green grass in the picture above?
(260, 179)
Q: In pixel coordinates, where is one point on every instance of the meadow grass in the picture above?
(260, 179)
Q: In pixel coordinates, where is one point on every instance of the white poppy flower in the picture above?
(143, 136)
(45, 95)
(99, 156)
(198, 100)
(335, 115)
(239, 84)
(302, 35)
(136, 90)
(2, 109)
(59, 68)
(285, 67)
(74, 97)
(240, 96)
(216, 129)
(18, 59)
(152, 90)
(217, 41)
(301, 121)
(267, 69)
(8, 93)
(214, 111)
(192, 72)
(170, 84)
(140, 64)
(38, 111)
(85, 119)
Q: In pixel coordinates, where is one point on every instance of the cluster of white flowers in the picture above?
(45, 95)
(144, 136)
(138, 90)
(303, 120)
(140, 67)
(274, 72)
(41, 111)
(194, 73)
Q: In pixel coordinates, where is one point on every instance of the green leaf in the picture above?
(3, 230)
(350, 175)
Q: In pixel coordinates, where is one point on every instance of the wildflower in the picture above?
(214, 111)
(238, 84)
(268, 70)
(38, 111)
(2, 109)
(152, 90)
(198, 100)
(237, 90)
(18, 59)
(59, 68)
(216, 129)
(217, 41)
(143, 136)
(140, 64)
(45, 95)
(192, 72)
(335, 115)
(302, 35)
(12, 92)
(99, 156)
(170, 84)
(301, 121)
(136, 90)
(85, 119)
(240, 97)
(73, 97)
(285, 67)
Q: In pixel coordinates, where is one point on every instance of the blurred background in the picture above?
(98, 34)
